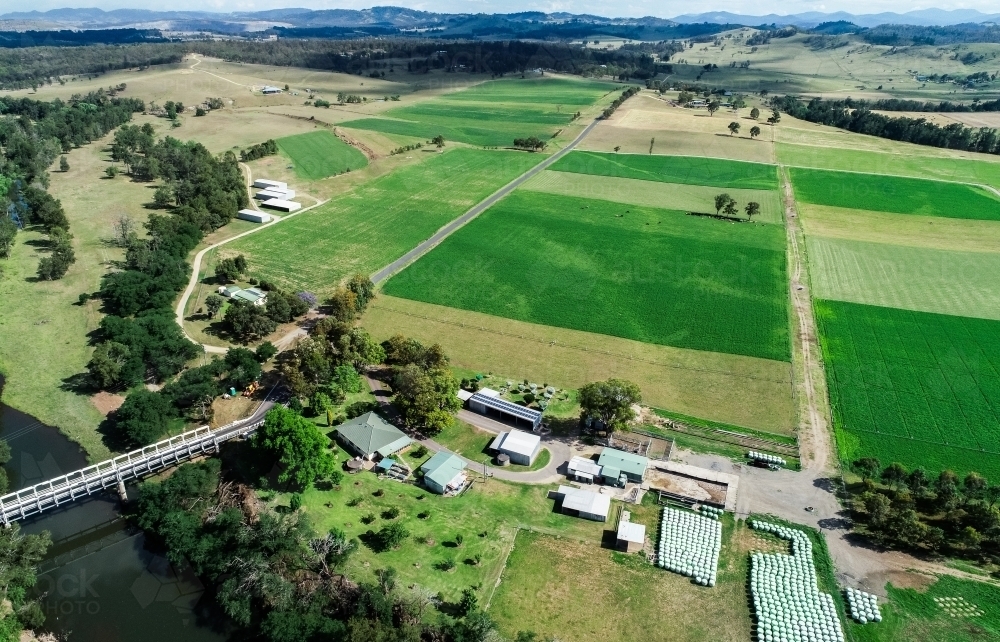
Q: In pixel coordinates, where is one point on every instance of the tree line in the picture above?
(260, 150)
(628, 93)
(839, 113)
(46, 65)
(912, 510)
(32, 134)
(900, 104)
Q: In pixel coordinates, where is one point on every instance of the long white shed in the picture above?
(274, 192)
(283, 205)
(264, 183)
(253, 216)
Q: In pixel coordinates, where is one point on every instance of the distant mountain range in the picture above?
(391, 19)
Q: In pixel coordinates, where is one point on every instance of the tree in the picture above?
(895, 475)
(713, 107)
(265, 351)
(391, 536)
(163, 196)
(617, 147)
(755, 113)
(878, 508)
(610, 401)
(144, 417)
(213, 303)
(721, 200)
(298, 446)
(57, 263)
(754, 132)
(974, 486)
(438, 140)
(63, 164)
(248, 322)
(752, 209)
(364, 290)
(775, 117)
(107, 365)
(343, 305)
(469, 602)
(111, 171)
(230, 269)
(730, 209)
(946, 490)
(242, 367)
(426, 399)
(8, 231)
(199, 111)
(868, 467)
(734, 128)
(19, 556)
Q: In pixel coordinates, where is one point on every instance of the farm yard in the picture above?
(894, 194)
(492, 114)
(652, 275)
(320, 154)
(689, 170)
(370, 226)
(913, 387)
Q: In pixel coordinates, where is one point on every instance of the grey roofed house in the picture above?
(584, 469)
(585, 504)
(443, 472)
(522, 447)
(369, 435)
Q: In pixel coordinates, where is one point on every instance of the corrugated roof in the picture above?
(442, 468)
(520, 443)
(632, 532)
(369, 433)
(623, 461)
(584, 465)
(585, 501)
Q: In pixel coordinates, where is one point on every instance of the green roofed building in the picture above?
(370, 435)
(619, 467)
(444, 472)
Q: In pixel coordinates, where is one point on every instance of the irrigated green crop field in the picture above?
(653, 275)
(919, 162)
(320, 154)
(911, 278)
(690, 170)
(369, 227)
(914, 387)
(950, 610)
(494, 113)
(894, 194)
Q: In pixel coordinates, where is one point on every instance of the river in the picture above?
(101, 583)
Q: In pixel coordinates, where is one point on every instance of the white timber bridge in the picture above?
(113, 473)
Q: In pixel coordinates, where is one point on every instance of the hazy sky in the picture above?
(661, 8)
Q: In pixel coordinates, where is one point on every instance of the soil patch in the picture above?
(678, 484)
(106, 403)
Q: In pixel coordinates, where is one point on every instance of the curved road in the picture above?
(478, 209)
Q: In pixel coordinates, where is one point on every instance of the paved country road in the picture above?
(478, 209)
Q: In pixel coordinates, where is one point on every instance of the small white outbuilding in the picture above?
(283, 205)
(253, 216)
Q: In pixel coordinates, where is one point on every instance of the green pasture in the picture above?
(689, 198)
(491, 114)
(911, 278)
(940, 613)
(320, 154)
(553, 91)
(894, 194)
(652, 275)
(558, 587)
(913, 387)
(911, 164)
(690, 170)
(486, 517)
(366, 229)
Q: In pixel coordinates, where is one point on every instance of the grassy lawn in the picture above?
(913, 387)
(693, 198)
(925, 614)
(320, 154)
(690, 170)
(556, 586)
(894, 194)
(541, 461)
(652, 275)
(486, 516)
(369, 227)
(908, 160)
(745, 391)
(911, 278)
(465, 440)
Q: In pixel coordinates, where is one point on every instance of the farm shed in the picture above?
(253, 216)
(484, 403)
(444, 472)
(619, 467)
(250, 295)
(522, 447)
(583, 503)
(268, 90)
(370, 435)
(631, 536)
(583, 469)
(274, 192)
(283, 205)
(266, 183)
(229, 290)
(463, 395)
